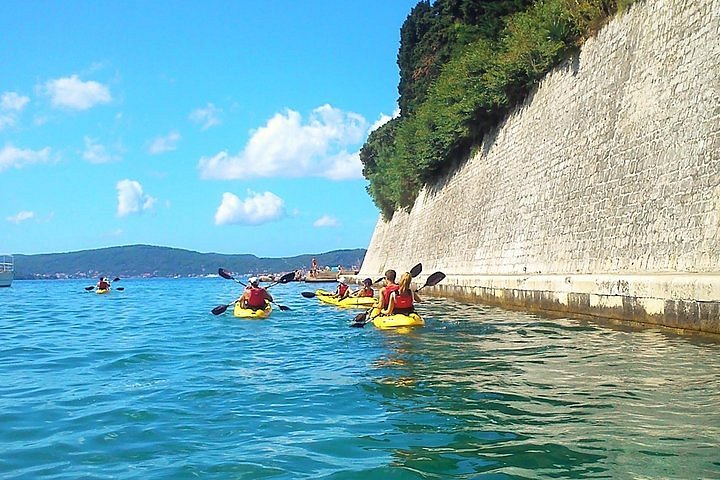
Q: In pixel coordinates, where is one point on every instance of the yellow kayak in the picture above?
(397, 320)
(252, 313)
(101, 291)
(348, 302)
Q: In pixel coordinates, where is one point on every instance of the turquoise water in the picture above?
(148, 384)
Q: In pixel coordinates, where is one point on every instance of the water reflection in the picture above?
(480, 389)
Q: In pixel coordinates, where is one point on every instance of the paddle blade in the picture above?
(284, 308)
(288, 277)
(358, 324)
(416, 270)
(225, 274)
(360, 317)
(379, 280)
(120, 289)
(433, 280)
(116, 279)
(219, 309)
(90, 288)
(308, 294)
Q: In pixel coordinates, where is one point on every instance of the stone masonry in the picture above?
(600, 195)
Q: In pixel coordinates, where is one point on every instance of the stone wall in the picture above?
(600, 195)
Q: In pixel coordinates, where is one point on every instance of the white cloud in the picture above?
(326, 221)
(97, 153)
(21, 216)
(11, 101)
(384, 119)
(206, 117)
(164, 144)
(15, 157)
(287, 146)
(10, 106)
(256, 209)
(131, 198)
(73, 93)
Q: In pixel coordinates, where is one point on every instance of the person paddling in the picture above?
(366, 290)
(342, 291)
(103, 284)
(402, 299)
(254, 296)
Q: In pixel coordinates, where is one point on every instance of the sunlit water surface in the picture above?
(148, 384)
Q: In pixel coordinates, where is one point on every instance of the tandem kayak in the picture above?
(252, 313)
(397, 320)
(348, 302)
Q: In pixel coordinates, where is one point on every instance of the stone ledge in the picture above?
(685, 301)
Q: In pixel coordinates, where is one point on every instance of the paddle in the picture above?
(116, 279)
(288, 277)
(432, 280)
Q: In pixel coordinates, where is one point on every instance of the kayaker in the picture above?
(366, 290)
(103, 284)
(403, 299)
(342, 290)
(390, 286)
(254, 296)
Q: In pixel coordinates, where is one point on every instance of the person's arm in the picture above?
(391, 305)
(268, 296)
(416, 297)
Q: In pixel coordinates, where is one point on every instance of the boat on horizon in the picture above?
(7, 270)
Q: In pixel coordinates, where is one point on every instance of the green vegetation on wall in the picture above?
(464, 64)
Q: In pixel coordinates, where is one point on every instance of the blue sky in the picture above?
(219, 126)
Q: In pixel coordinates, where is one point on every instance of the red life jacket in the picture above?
(257, 298)
(386, 297)
(342, 289)
(366, 292)
(403, 301)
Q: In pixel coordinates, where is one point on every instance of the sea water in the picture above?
(147, 383)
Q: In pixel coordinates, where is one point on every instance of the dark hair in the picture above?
(368, 281)
(390, 275)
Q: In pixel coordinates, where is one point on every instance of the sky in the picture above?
(218, 126)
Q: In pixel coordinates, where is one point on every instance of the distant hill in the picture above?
(152, 261)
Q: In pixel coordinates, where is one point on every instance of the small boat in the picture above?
(7, 270)
(347, 302)
(396, 320)
(240, 312)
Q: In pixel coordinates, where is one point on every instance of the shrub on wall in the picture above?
(458, 80)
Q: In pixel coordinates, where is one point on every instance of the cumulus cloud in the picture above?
(131, 198)
(164, 144)
(73, 93)
(256, 209)
(11, 156)
(289, 146)
(20, 216)
(206, 117)
(97, 153)
(326, 221)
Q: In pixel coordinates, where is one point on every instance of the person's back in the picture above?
(254, 296)
(403, 299)
(390, 286)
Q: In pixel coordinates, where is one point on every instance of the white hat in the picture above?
(253, 280)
